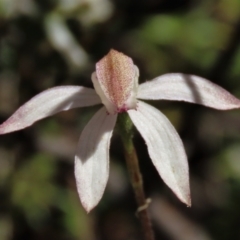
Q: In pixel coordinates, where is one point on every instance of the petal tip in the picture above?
(189, 202)
(3, 129)
(87, 207)
(186, 200)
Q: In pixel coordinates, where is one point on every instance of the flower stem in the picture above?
(135, 176)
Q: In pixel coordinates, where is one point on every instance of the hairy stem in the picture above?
(136, 177)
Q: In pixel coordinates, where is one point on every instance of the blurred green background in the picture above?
(45, 43)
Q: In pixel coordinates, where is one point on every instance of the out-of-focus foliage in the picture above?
(45, 43)
(36, 173)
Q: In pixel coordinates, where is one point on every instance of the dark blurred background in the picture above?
(45, 43)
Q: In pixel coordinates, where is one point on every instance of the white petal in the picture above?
(48, 103)
(189, 88)
(92, 158)
(165, 148)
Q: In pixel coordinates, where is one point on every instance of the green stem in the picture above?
(125, 130)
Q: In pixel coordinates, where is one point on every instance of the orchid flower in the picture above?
(116, 87)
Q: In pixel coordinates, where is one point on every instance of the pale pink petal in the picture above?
(189, 88)
(165, 148)
(47, 103)
(92, 158)
(115, 81)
